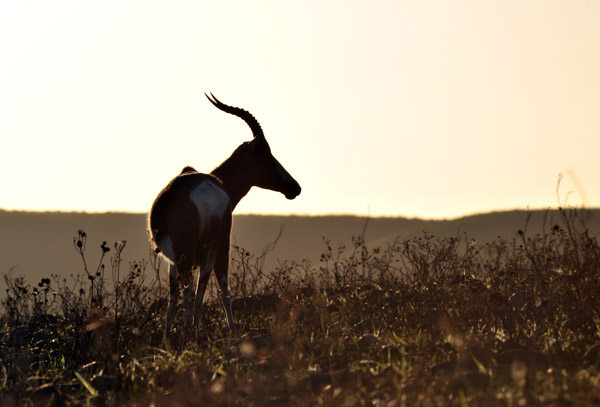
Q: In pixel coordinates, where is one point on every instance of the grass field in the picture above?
(422, 322)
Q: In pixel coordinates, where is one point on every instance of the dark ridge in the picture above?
(37, 244)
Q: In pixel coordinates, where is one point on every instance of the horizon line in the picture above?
(315, 215)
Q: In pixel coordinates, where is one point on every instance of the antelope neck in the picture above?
(233, 183)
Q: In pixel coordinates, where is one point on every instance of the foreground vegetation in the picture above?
(422, 322)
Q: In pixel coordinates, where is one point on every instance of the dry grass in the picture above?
(423, 322)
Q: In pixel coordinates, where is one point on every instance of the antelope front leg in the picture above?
(222, 268)
(226, 298)
(222, 273)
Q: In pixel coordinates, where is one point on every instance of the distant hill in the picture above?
(36, 244)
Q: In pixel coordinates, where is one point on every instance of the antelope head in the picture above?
(252, 163)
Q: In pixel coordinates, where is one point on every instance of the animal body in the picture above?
(190, 219)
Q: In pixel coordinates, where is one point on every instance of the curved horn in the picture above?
(241, 113)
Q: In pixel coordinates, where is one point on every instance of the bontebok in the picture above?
(190, 220)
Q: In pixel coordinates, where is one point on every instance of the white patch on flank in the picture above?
(211, 202)
(166, 247)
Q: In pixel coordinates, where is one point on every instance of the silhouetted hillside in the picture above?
(38, 244)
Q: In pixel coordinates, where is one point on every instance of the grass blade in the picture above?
(87, 385)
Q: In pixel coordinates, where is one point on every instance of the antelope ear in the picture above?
(259, 136)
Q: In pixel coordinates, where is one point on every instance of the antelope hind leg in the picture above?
(172, 306)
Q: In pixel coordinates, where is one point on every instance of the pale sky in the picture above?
(419, 108)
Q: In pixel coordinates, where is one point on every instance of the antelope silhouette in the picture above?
(190, 219)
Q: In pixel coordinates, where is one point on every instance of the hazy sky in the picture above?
(420, 108)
